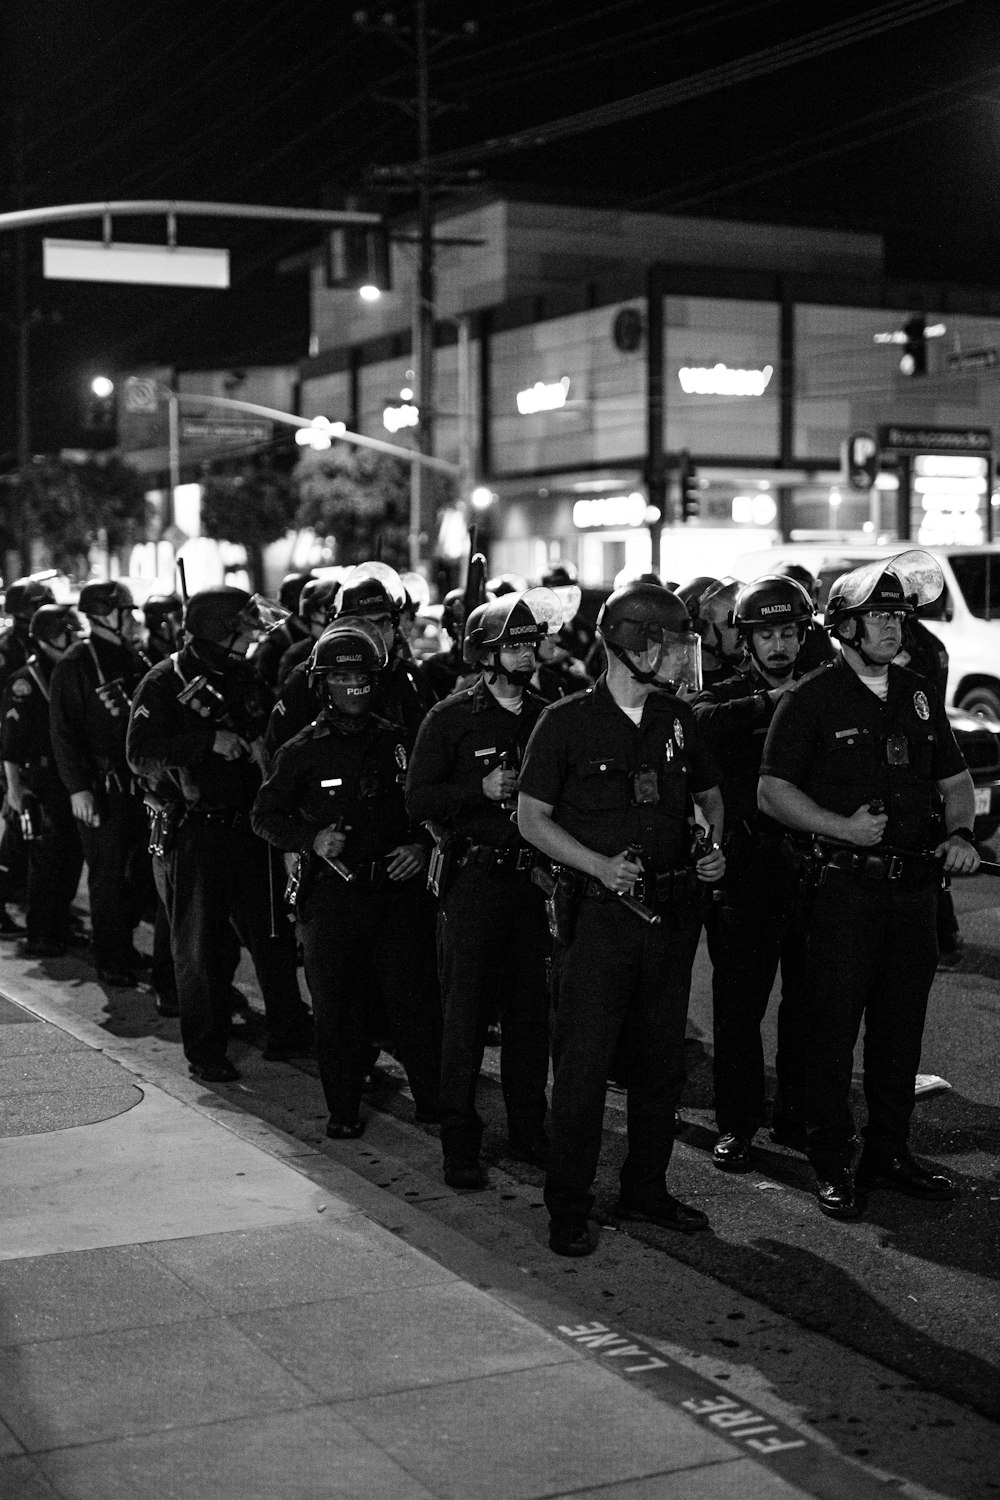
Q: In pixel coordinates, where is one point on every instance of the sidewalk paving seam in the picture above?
(820, 1469)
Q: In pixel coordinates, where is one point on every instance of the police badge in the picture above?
(921, 705)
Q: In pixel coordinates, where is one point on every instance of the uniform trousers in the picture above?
(618, 977)
(493, 942)
(221, 875)
(356, 939)
(871, 954)
(115, 900)
(753, 939)
(55, 860)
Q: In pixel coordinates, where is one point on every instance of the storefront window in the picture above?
(563, 393)
(722, 386)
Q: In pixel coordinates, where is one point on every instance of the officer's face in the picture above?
(519, 658)
(349, 693)
(883, 635)
(776, 647)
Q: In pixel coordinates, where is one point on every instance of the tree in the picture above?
(69, 507)
(254, 506)
(358, 497)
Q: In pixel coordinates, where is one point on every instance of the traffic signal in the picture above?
(358, 256)
(914, 360)
(100, 410)
(690, 488)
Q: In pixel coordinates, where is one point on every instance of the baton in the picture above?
(637, 909)
(344, 871)
(987, 867)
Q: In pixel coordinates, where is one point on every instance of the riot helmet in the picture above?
(800, 574)
(506, 624)
(226, 619)
(164, 617)
(111, 610)
(896, 588)
(692, 591)
(290, 590)
(769, 603)
(345, 662)
(54, 627)
(453, 614)
(26, 595)
(645, 617)
(318, 601)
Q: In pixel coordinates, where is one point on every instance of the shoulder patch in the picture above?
(142, 712)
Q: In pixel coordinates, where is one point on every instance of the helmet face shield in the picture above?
(679, 666)
(261, 615)
(904, 582)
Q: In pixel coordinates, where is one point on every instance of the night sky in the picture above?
(875, 116)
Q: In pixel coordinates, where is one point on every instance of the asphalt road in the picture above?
(882, 1337)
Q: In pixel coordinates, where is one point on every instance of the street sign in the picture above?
(148, 265)
(862, 460)
(224, 430)
(141, 395)
(903, 439)
(973, 359)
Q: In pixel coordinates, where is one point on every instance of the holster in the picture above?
(164, 820)
(441, 865)
(561, 906)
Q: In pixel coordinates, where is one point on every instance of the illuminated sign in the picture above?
(543, 397)
(951, 491)
(149, 265)
(720, 380)
(610, 510)
(395, 417)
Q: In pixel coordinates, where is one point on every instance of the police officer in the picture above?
(199, 719)
(711, 610)
(372, 592)
(334, 796)
(816, 647)
(444, 669)
(21, 600)
(606, 792)
(492, 929)
(90, 692)
(317, 606)
(854, 762)
(34, 790)
(754, 931)
(267, 657)
(164, 618)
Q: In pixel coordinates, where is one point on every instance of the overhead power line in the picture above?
(710, 80)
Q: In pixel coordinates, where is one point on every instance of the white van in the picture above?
(966, 617)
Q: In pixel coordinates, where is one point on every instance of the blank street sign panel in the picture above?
(149, 265)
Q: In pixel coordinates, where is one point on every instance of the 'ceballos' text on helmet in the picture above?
(349, 645)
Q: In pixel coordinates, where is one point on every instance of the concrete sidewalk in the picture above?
(193, 1304)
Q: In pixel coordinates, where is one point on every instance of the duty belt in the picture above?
(511, 860)
(668, 888)
(221, 817)
(905, 865)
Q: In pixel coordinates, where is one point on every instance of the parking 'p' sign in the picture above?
(863, 460)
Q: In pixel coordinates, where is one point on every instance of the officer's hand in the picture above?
(620, 872)
(865, 828)
(229, 745)
(712, 866)
(405, 861)
(329, 842)
(499, 784)
(960, 857)
(85, 809)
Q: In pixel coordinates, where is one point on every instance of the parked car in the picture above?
(979, 741)
(966, 617)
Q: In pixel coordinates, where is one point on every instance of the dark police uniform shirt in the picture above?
(585, 759)
(89, 716)
(15, 648)
(25, 738)
(323, 775)
(833, 739)
(171, 739)
(399, 697)
(461, 741)
(734, 718)
(267, 657)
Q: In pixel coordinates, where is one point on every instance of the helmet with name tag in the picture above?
(901, 584)
(500, 624)
(348, 645)
(770, 601)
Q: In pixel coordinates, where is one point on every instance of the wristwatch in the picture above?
(962, 833)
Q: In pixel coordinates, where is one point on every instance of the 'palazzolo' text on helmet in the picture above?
(771, 601)
(26, 595)
(647, 617)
